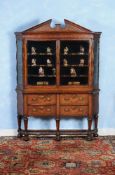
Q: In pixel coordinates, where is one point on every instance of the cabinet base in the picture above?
(53, 134)
(26, 138)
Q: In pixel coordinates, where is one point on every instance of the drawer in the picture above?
(42, 110)
(74, 99)
(73, 110)
(41, 99)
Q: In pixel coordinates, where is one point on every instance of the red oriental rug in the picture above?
(50, 157)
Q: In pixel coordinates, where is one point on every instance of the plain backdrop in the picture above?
(18, 15)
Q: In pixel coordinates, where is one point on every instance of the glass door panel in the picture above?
(74, 58)
(41, 63)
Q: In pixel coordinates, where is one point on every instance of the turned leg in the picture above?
(19, 117)
(89, 134)
(26, 128)
(95, 125)
(57, 129)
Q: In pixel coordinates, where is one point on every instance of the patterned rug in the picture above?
(50, 157)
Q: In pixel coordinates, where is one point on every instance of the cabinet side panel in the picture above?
(95, 104)
(19, 63)
(20, 102)
(96, 63)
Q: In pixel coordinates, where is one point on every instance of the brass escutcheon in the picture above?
(34, 110)
(48, 109)
(66, 110)
(41, 108)
(34, 99)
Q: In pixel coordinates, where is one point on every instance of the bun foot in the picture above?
(95, 135)
(89, 137)
(57, 137)
(19, 135)
(26, 138)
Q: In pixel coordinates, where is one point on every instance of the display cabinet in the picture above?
(58, 76)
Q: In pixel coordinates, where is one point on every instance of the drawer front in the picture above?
(73, 110)
(74, 99)
(42, 110)
(41, 99)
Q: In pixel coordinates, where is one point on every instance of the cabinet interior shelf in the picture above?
(41, 54)
(74, 76)
(72, 54)
(49, 76)
(41, 65)
(75, 65)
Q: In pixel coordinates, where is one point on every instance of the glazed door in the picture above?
(74, 63)
(41, 63)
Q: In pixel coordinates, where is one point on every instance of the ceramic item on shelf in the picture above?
(33, 62)
(33, 51)
(66, 50)
(82, 61)
(54, 71)
(69, 83)
(49, 62)
(41, 71)
(49, 51)
(73, 83)
(73, 72)
(42, 83)
(76, 83)
(82, 50)
(65, 62)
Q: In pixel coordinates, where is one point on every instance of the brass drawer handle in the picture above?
(80, 98)
(34, 99)
(41, 108)
(80, 109)
(66, 110)
(49, 99)
(34, 110)
(42, 96)
(48, 109)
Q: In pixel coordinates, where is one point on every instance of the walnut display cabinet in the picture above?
(58, 76)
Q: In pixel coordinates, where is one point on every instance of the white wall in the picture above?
(17, 15)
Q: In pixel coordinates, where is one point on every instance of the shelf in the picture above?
(68, 76)
(41, 65)
(62, 76)
(72, 54)
(40, 54)
(47, 76)
(75, 65)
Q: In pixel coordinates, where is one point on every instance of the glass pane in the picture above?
(74, 57)
(41, 62)
(19, 61)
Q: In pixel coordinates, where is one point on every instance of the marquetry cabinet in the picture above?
(57, 76)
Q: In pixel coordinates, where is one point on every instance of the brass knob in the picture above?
(49, 99)
(41, 107)
(42, 96)
(66, 110)
(34, 99)
(48, 109)
(80, 109)
(81, 98)
(34, 110)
